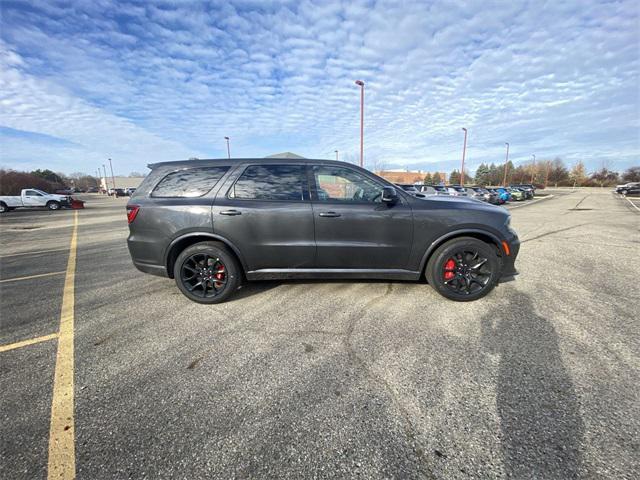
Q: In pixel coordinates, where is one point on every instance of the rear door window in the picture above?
(194, 182)
(271, 182)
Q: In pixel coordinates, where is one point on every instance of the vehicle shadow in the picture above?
(256, 287)
(542, 429)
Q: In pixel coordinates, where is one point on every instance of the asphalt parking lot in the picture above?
(323, 379)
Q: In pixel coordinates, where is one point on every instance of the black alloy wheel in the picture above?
(207, 272)
(464, 269)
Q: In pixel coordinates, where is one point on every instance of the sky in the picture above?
(142, 82)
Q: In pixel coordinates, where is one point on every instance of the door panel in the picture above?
(353, 227)
(267, 214)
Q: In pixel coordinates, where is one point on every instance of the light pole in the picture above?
(113, 179)
(464, 151)
(228, 148)
(336, 155)
(506, 165)
(533, 167)
(106, 185)
(360, 83)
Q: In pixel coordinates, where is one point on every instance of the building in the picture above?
(406, 177)
(121, 182)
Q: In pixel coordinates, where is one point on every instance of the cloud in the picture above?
(154, 81)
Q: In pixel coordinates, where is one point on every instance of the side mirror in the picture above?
(389, 195)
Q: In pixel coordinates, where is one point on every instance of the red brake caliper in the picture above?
(449, 268)
(219, 276)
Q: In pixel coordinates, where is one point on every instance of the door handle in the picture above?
(329, 214)
(231, 213)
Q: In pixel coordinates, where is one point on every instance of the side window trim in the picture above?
(186, 169)
(316, 198)
(306, 196)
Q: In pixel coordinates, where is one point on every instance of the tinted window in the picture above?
(344, 184)
(194, 182)
(271, 182)
(32, 193)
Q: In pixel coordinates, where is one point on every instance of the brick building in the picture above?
(398, 176)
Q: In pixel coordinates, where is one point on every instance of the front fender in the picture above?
(494, 236)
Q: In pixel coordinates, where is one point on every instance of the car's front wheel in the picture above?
(207, 272)
(463, 269)
(623, 192)
(53, 205)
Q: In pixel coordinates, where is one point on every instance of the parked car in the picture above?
(516, 194)
(209, 224)
(119, 192)
(434, 190)
(476, 193)
(93, 190)
(631, 188)
(487, 196)
(129, 191)
(457, 191)
(504, 195)
(32, 197)
(528, 189)
(64, 191)
(411, 189)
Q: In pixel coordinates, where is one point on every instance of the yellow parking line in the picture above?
(17, 279)
(62, 456)
(24, 343)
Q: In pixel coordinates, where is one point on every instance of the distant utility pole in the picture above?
(106, 185)
(506, 165)
(360, 83)
(228, 148)
(464, 151)
(113, 178)
(336, 155)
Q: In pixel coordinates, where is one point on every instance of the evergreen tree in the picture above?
(436, 179)
(482, 175)
(428, 179)
(454, 177)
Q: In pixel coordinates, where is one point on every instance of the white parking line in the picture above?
(632, 204)
(531, 202)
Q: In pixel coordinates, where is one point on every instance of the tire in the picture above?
(623, 192)
(4, 208)
(456, 259)
(53, 205)
(216, 262)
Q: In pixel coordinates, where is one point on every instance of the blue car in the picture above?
(504, 195)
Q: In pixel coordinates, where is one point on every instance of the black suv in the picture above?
(211, 224)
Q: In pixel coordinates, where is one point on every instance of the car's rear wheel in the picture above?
(207, 272)
(463, 269)
(3, 207)
(53, 205)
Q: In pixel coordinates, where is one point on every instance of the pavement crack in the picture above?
(552, 232)
(355, 359)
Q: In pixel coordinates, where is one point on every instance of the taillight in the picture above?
(132, 212)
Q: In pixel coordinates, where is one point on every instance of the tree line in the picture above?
(546, 173)
(12, 181)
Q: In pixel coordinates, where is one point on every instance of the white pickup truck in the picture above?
(32, 197)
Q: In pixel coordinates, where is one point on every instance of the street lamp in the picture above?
(464, 151)
(506, 163)
(106, 185)
(112, 177)
(336, 155)
(360, 83)
(228, 148)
